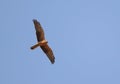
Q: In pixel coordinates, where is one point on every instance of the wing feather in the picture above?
(39, 31)
(48, 51)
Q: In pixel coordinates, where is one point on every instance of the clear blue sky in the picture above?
(84, 36)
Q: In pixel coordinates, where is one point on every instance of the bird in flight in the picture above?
(42, 42)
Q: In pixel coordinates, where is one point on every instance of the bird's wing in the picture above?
(48, 51)
(39, 31)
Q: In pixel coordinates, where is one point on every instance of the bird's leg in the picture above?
(41, 43)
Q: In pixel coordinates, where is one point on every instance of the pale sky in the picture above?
(84, 36)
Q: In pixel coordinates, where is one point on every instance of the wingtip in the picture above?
(52, 61)
(34, 20)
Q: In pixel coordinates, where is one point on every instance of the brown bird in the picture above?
(42, 42)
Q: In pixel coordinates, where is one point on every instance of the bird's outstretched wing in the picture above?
(42, 42)
(39, 31)
(48, 51)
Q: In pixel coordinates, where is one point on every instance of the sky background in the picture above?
(84, 36)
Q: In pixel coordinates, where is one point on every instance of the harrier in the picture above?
(42, 42)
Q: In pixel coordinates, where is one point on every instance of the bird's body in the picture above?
(42, 42)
